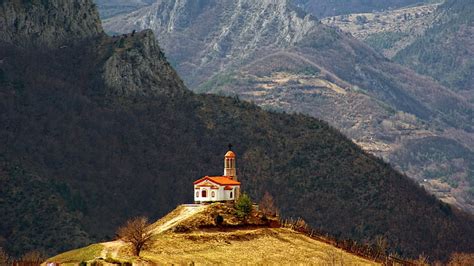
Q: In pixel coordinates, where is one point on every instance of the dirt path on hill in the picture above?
(111, 249)
(186, 212)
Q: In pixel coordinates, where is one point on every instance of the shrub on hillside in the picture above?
(34, 256)
(461, 259)
(243, 206)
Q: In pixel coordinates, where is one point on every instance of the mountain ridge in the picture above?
(71, 22)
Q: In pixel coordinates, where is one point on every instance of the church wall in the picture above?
(220, 194)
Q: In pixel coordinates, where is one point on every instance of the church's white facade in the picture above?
(219, 188)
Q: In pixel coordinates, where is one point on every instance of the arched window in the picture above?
(204, 194)
(213, 194)
(197, 193)
(231, 194)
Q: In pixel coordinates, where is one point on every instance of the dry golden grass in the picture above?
(252, 246)
(251, 243)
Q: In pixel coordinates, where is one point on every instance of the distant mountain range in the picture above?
(319, 8)
(281, 58)
(432, 39)
(97, 129)
(389, 31)
(446, 49)
(435, 40)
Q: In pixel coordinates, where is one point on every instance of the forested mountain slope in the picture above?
(112, 125)
(275, 55)
(446, 50)
(433, 39)
(388, 31)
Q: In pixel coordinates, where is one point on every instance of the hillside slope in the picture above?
(109, 8)
(446, 50)
(387, 31)
(432, 39)
(110, 120)
(277, 56)
(216, 244)
(326, 8)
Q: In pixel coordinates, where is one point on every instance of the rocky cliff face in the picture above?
(211, 35)
(48, 23)
(134, 63)
(138, 67)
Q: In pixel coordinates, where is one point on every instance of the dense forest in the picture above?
(81, 152)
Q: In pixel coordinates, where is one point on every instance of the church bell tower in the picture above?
(229, 164)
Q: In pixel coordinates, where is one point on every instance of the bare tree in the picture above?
(267, 205)
(381, 245)
(422, 260)
(33, 257)
(135, 232)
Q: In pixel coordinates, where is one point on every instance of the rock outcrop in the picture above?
(211, 35)
(48, 23)
(138, 67)
(134, 63)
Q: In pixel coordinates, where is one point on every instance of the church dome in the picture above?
(230, 154)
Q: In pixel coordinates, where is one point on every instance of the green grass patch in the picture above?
(78, 255)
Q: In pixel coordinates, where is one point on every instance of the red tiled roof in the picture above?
(221, 180)
(228, 188)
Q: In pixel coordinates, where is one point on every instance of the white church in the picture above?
(219, 188)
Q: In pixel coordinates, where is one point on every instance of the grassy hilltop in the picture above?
(190, 235)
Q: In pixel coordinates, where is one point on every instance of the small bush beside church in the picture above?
(243, 206)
